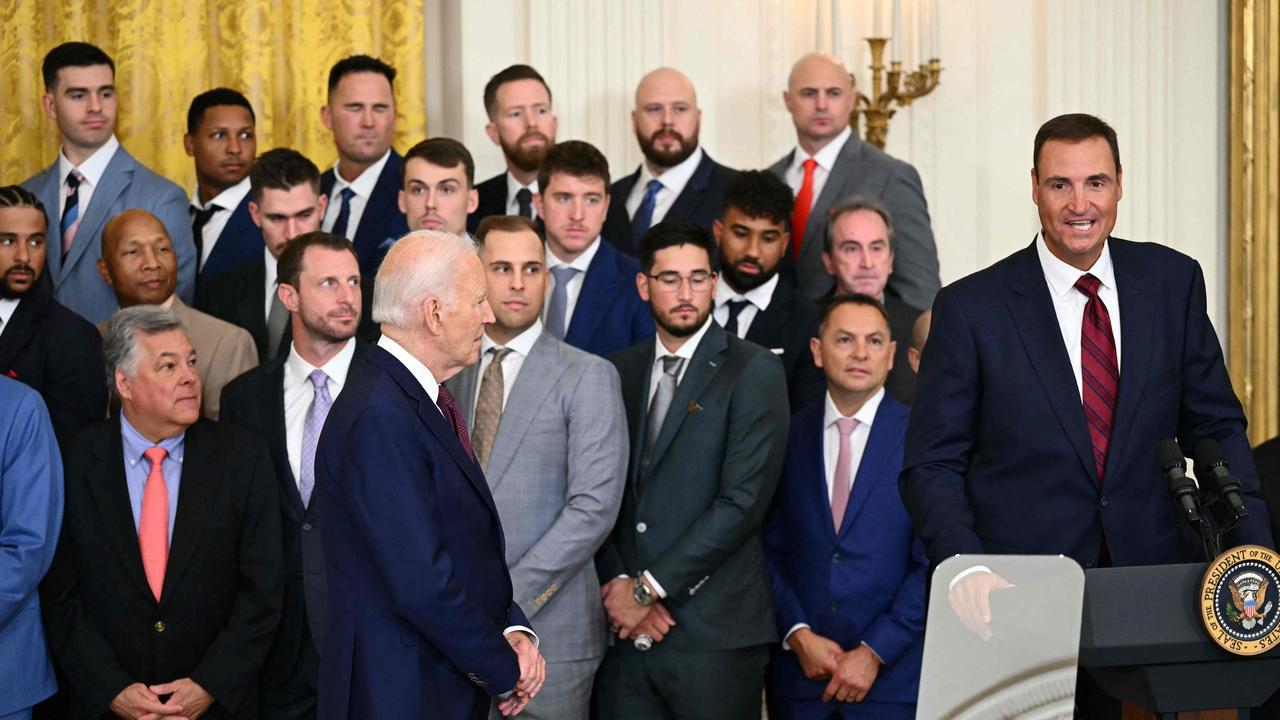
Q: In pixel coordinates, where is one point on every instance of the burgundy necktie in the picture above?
(1099, 370)
(453, 414)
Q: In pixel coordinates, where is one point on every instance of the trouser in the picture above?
(566, 694)
(667, 684)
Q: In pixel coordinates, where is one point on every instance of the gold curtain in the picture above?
(1254, 254)
(277, 52)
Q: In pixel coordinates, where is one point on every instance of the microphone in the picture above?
(1211, 469)
(1174, 467)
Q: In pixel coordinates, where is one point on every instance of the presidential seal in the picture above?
(1238, 600)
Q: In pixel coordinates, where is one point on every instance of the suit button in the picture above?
(1102, 502)
(835, 607)
(159, 626)
(306, 526)
(641, 527)
(835, 558)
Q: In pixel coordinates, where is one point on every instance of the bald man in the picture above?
(830, 164)
(139, 264)
(677, 179)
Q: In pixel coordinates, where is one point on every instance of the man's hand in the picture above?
(971, 602)
(656, 624)
(533, 671)
(855, 671)
(621, 606)
(817, 654)
(137, 702)
(185, 693)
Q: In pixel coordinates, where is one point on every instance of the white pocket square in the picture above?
(777, 351)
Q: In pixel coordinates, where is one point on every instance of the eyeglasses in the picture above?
(670, 281)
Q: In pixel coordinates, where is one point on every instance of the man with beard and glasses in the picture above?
(685, 585)
(753, 300)
(677, 178)
(286, 402)
(522, 123)
(42, 343)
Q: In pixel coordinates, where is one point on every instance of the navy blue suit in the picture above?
(609, 315)
(381, 219)
(998, 425)
(865, 583)
(701, 201)
(419, 592)
(240, 243)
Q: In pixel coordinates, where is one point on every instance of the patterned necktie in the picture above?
(344, 213)
(524, 203)
(804, 202)
(1099, 370)
(319, 410)
(71, 211)
(843, 480)
(644, 212)
(200, 218)
(558, 308)
(153, 522)
(661, 403)
(735, 309)
(453, 415)
(489, 405)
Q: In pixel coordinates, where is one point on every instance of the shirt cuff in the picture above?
(662, 594)
(967, 571)
(873, 652)
(527, 631)
(786, 645)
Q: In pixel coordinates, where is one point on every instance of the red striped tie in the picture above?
(1099, 370)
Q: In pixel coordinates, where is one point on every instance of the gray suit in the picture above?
(865, 170)
(125, 184)
(557, 473)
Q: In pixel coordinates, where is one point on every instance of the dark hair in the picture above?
(16, 196)
(509, 74)
(575, 158)
(673, 233)
(72, 54)
(852, 205)
(1074, 128)
(282, 169)
(289, 265)
(506, 223)
(760, 194)
(359, 64)
(836, 301)
(442, 152)
(214, 98)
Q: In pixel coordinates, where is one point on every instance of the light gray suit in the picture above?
(865, 170)
(557, 473)
(125, 184)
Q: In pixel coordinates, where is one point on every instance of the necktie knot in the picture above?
(74, 178)
(347, 194)
(499, 353)
(653, 187)
(320, 382)
(563, 274)
(809, 165)
(155, 455)
(737, 306)
(524, 202)
(671, 365)
(846, 426)
(1088, 284)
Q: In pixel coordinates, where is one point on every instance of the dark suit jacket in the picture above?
(58, 353)
(381, 219)
(701, 201)
(694, 518)
(221, 598)
(609, 314)
(998, 422)
(785, 329)
(901, 383)
(240, 243)
(419, 591)
(493, 200)
(864, 583)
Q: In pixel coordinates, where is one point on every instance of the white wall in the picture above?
(1154, 69)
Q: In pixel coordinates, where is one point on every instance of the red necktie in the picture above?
(800, 214)
(153, 522)
(1099, 370)
(453, 413)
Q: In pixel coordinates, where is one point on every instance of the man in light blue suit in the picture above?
(94, 179)
(30, 518)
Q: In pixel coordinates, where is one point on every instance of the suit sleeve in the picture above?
(76, 391)
(597, 455)
(30, 503)
(787, 609)
(915, 276)
(902, 622)
(234, 659)
(757, 435)
(641, 319)
(172, 208)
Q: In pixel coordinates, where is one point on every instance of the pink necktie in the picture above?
(840, 486)
(153, 525)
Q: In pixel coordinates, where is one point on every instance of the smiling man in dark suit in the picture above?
(522, 123)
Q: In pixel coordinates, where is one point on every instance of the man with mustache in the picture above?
(222, 139)
(437, 192)
(522, 123)
(677, 178)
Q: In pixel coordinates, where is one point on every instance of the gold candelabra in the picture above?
(901, 89)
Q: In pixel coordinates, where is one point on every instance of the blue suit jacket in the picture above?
(701, 201)
(30, 518)
(998, 424)
(862, 584)
(609, 315)
(381, 219)
(126, 184)
(419, 592)
(239, 244)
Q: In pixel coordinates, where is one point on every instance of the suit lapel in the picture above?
(767, 328)
(16, 334)
(110, 491)
(635, 396)
(688, 198)
(883, 439)
(1137, 307)
(814, 474)
(703, 366)
(463, 387)
(274, 422)
(48, 188)
(599, 286)
(538, 375)
(200, 483)
(115, 180)
(250, 304)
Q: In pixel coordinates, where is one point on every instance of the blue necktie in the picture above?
(735, 308)
(344, 213)
(557, 323)
(70, 210)
(644, 214)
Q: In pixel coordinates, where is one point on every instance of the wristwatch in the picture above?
(641, 593)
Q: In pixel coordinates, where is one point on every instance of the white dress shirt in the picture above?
(574, 288)
(227, 200)
(826, 158)
(520, 347)
(8, 306)
(299, 392)
(92, 169)
(759, 298)
(673, 180)
(362, 186)
(513, 187)
(270, 261)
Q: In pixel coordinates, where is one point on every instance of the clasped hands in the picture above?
(533, 671)
(629, 618)
(851, 673)
(187, 701)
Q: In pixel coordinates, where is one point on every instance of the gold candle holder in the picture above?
(890, 88)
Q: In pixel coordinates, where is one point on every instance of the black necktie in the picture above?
(200, 218)
(735, 309)
(524, 199)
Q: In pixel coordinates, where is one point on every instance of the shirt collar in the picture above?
(866, 414)
(521, 344)
(135, 444)
(363, 184)
(93, 167)
(514, 186)
(298, 370)
(673, 178)
(8, 306)
(760, 296)
(413, 365)
(228, 199)
(686, 350)
(582, 262)
(826, 157)
(1062, 277)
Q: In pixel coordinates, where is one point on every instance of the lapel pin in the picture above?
(694, 407)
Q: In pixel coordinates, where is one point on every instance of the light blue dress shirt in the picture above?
(137, 467)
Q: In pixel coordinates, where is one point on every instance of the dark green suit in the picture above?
(693, 520)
